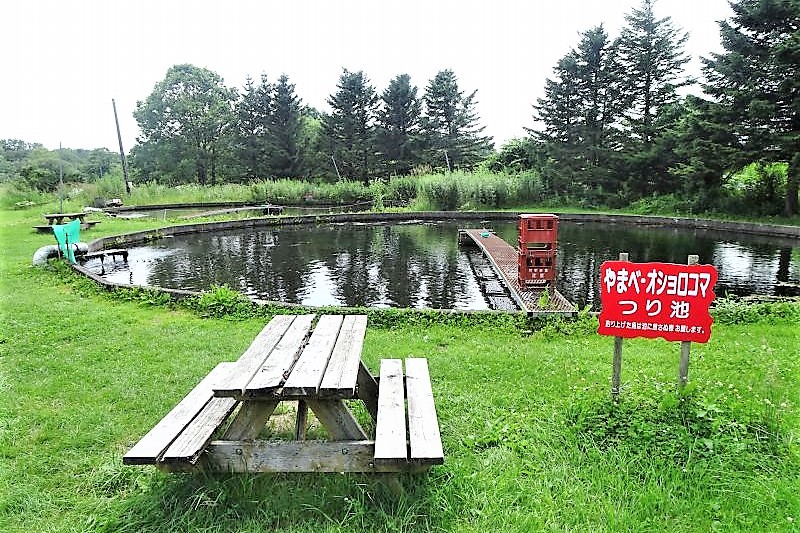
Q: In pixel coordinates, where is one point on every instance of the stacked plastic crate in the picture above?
(537, 249)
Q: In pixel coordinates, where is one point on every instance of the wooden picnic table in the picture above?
(218, 425)
(58, 218)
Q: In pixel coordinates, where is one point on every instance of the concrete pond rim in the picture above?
(790, 233)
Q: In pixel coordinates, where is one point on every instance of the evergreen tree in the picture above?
(254, 142)
(284, 129)
(580, 113)
(652, 56)
(398, 126)
(701, 147)
(349, 129)
(450, 124)
(757, 83)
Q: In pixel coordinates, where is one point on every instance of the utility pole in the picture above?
(60, 180)
(121, 151)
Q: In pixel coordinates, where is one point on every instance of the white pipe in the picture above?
(44, 253)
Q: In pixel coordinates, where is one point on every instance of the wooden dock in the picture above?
(503, 259)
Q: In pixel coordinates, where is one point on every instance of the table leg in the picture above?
(337, 419)
(368, 390)
(302, 420)
(250, 420)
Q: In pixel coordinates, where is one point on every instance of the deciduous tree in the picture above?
(184, 122)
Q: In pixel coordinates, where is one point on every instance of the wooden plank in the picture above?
(367, 390)
(423, 426)
(390, 429)
(250, 420)
(251, 360)
(302, 421)
(307, 374)
(149, 448)
(276, 368)
(337, 420)
(297, 456)
(188, 446)
(341, 376)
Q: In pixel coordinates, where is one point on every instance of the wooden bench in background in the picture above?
(217, 425)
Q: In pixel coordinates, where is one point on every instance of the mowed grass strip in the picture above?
(531, 440)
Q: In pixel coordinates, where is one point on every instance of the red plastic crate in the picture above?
(537, 246)
(537, 268)
(538, 231)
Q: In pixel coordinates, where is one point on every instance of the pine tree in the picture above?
(580, 112)
(254, 141)
(398, 126)
(652, 56)
(450, 124)
(284, 129)
(700, 144)
(757, 83)
(349, 129)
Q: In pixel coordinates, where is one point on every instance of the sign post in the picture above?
(653, 300)
(616, 370)
(686, 346)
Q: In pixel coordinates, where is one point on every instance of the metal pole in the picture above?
(121, 151)
(616, 370)
(60, 181)
(686, 346)
(338, 176)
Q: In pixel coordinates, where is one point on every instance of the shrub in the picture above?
(17, 193)
(223, 302)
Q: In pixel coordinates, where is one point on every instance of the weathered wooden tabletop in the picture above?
(58, 218)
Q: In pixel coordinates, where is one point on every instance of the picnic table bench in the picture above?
(217, 426)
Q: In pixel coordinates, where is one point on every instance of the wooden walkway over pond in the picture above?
(503, 258)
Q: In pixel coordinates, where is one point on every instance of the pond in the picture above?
(420, 264)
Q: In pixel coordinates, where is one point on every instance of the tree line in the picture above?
(193, 127)
(613, 128)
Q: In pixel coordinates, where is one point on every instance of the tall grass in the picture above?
(16, 194)
(431, 191)
(478, 190)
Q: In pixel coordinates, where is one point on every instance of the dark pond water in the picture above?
(420, 264)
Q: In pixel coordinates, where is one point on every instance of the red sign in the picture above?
(656, 300)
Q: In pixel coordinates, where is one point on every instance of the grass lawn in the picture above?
(531, 441)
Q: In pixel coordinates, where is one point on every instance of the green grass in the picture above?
(532, 442)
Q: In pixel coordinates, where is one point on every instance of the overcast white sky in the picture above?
(64, 60)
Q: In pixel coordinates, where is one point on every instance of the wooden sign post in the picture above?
(616, 369)
(686, 346)
(653, 300)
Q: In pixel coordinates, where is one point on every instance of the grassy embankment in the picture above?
(532, 442)
(478, 190)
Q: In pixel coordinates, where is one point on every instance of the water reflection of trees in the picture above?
(391, 265)
(420, 265)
